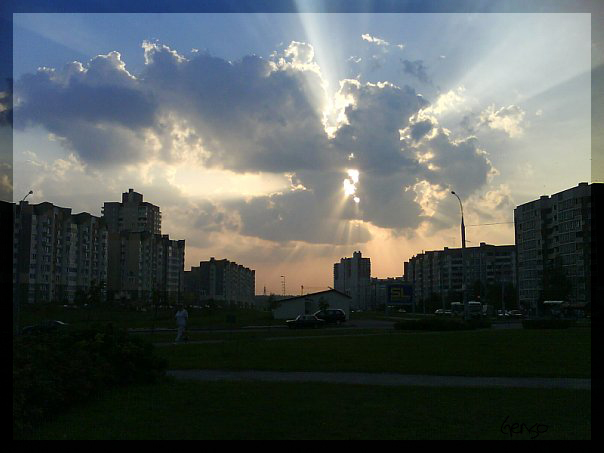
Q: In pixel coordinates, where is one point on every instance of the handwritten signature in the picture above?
(519, 428)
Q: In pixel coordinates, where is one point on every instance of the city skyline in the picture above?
(284, 142)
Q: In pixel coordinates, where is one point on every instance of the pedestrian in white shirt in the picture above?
(181, 322)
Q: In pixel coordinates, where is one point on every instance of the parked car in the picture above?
(516, 314)
(332, 315)
(443, 312)
(44, 327)
(304, 322)
(503, 313)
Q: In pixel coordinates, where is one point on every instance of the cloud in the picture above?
(507, 119)
(374, 40)
(417, 69)
(256, 116)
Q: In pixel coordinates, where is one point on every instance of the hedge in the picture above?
(54, 371)
(547, 323)
(440, 324)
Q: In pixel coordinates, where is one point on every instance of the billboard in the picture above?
(399, 294)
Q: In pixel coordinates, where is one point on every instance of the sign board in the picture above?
(399, 293)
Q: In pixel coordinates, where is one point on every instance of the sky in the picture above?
(285, 142)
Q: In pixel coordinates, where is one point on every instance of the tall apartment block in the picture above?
(56, 254)
(555, 231)
(440, 272)
(221, 280)
(132, 214)
(143, 263)
(352, 276)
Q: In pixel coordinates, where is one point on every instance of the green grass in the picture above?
(522, 353)
(256, 334)
(253, 410)
(126, 318)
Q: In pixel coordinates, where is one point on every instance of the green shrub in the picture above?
(54, 371)
(547, 323)
(442, 324)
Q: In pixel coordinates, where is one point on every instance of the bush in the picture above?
(442, 324)
(54, 371)
(547, 323)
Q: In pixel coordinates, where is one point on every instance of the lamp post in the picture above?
(283, 284)
(463, 255)
(28, 194)
(17, 300)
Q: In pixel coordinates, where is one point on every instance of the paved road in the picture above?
(387, 379)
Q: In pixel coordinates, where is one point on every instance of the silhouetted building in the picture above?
(391, 291)
(439, 274)
(352, 276)
(221, 281)
(554, 236)
(132, 214)
(144, 265)
(291, 307)
(57, 256)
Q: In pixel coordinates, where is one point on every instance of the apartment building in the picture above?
(439, 274)
(144, 265)
(554, 234)
(352, 276)
(221, 280)
(132, 214)
(57, 255)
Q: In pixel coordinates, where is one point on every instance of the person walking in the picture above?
(181, 322)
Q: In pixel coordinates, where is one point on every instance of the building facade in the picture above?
(221, 280)
(554, 236)
(58, 256)
(132, 214)
(392, 291)
(308, 304)
(352, 276)
(438, 275)
(144, 265)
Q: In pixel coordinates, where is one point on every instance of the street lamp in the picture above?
(18, 265)
(283, 284)
(463, 253)
(28, 194)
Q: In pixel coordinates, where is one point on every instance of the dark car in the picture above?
(44, 327)
(332, 315)
(516, 314)
(305, 322)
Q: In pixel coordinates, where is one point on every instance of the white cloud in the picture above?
(374, 40)
(507, 119)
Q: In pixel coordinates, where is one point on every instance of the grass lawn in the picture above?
(256, 334)
(522, 353)
(253, 410)
(127, 318)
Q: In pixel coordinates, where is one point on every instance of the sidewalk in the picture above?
(387, 379)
